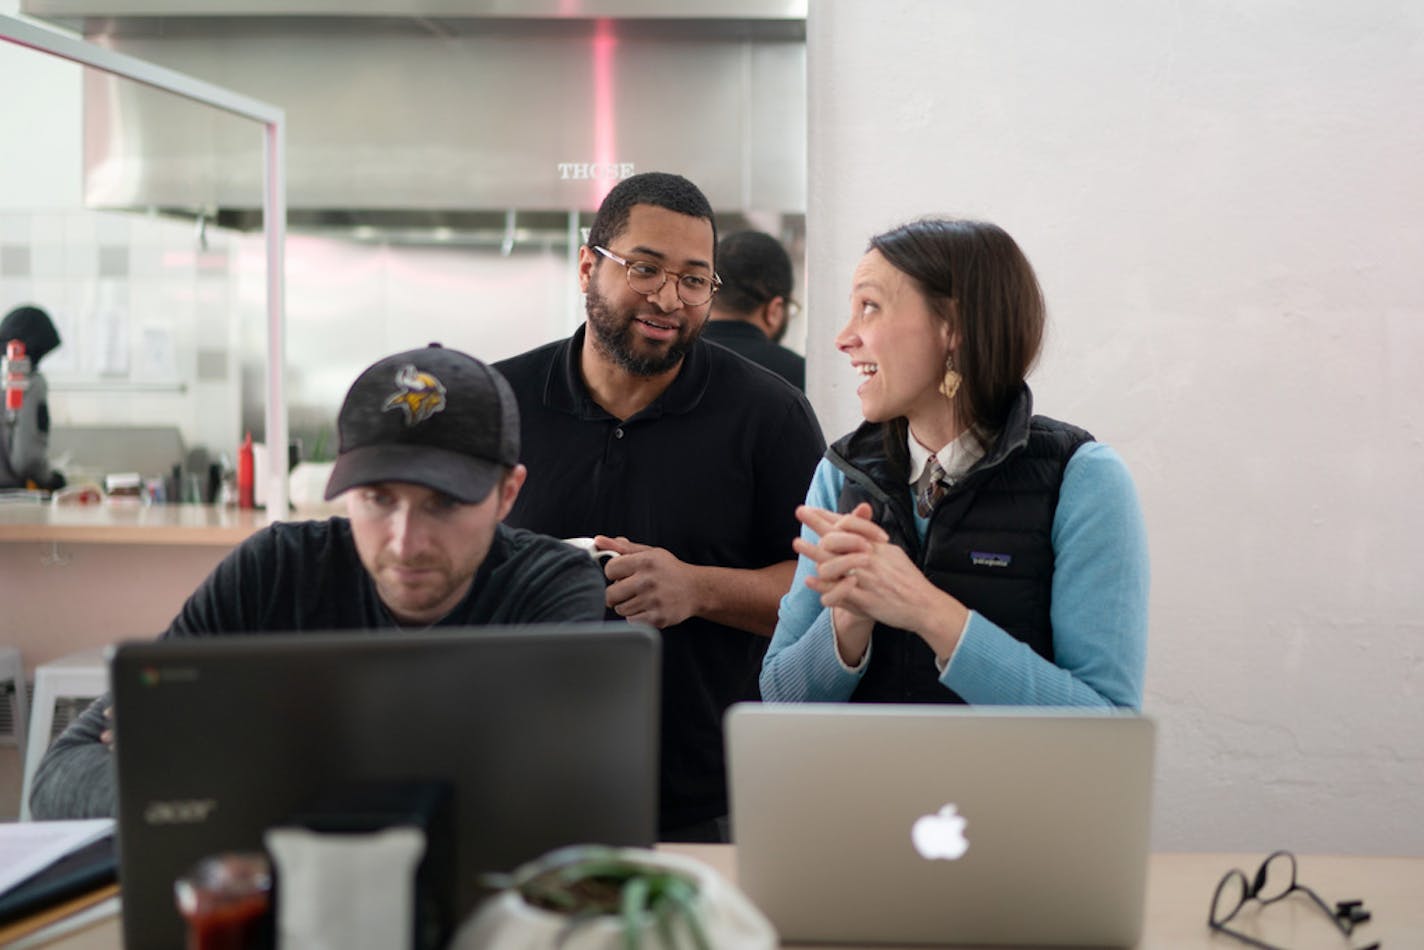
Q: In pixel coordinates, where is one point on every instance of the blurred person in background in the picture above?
(24, 433)
(753, 306)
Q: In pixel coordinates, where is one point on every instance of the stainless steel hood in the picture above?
(428, 114)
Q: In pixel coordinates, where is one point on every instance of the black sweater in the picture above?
(306, 576)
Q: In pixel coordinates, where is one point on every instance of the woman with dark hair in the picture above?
(956, 547)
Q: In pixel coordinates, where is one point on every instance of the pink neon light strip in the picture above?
(605, 145)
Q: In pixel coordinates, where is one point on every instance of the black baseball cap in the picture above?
(433, 417)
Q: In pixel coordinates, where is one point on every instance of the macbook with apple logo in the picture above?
(886, 824)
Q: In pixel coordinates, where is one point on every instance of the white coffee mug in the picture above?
(587, 546)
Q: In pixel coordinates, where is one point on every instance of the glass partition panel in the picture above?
(114, 235)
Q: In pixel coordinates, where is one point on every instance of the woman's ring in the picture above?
(850, 573)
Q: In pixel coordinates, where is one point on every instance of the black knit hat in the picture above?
(433, 417)
(34, 328)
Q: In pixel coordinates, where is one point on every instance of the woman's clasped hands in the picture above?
(866, 579)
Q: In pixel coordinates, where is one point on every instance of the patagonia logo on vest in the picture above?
(989, 559)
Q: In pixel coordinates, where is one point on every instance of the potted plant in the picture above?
(591, 897)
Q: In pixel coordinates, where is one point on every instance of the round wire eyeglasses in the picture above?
(647, 277)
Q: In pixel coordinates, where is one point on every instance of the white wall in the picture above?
(39, 127)
(1226, 210)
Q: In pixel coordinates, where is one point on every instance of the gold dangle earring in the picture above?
(950, 384)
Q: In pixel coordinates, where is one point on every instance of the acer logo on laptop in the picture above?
(940, 836)
(183, 811)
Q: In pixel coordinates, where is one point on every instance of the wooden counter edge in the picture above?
(198, 535)
(177, 525)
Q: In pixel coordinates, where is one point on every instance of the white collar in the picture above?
(956, 458)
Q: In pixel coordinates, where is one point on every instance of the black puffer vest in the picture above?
(989, 541)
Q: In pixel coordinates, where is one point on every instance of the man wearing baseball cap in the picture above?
(428, 466)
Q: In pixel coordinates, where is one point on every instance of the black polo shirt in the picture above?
(746, 340)
(712, 471)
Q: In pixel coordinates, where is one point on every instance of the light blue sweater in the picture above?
(1098, 609)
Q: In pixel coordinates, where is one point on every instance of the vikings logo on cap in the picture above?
(419, 397)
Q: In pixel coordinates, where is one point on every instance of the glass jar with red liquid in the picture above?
(226, 900)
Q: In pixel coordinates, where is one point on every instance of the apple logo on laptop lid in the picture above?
(940, 836)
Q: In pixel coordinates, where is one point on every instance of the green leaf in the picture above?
(684, 897)
(635, 902)
(663, 915)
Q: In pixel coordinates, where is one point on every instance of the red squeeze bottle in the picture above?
(17, 371)
(245, 473)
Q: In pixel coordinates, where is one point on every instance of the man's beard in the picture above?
(617, 339)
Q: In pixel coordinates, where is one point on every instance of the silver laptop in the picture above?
(545, 736)
(942, 824)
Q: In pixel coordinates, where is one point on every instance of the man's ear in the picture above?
(773, 318)
(588, 257)
(509, 488)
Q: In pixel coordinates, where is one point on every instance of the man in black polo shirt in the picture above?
(683, 458)
(428, 466)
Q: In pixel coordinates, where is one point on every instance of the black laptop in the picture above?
(546, 736)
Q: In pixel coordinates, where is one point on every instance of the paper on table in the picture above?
(27, 847)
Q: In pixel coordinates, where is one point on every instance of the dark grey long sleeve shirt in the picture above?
(306, 576)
